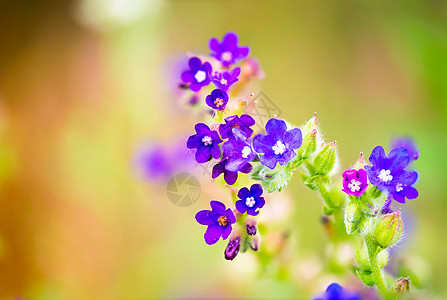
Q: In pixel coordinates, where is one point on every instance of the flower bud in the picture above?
(389, 229)
(309, 143)
(233, 247)
(255, 243)
(250, 226)
(325, 160)
(402, 284)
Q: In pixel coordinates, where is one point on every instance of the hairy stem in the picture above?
(377, 273)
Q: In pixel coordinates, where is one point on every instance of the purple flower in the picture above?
(230, 177)
(337, 292)
(219, 221)
(408, 144)
(233, 247)
(206, 142)
(153, 162)
(218, 99)
(224, 79)
(389, 173)
(279, 143)
(228, 52)
(238, 152)
(355, 182)
(250, 226)
(198, 75)
(250, 200)
(243, 123)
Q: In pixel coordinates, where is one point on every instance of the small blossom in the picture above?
(279, 144)
(224, 80)
(250, 200)
(218, 99)
(389, 173)
(229, 176)
(219, 221)
(408, 144)
(238, 151)
(206, 142)
(243, 123)
(233, 247)
(250, 226)
(198, 75)
(355, 182)
(228, 52)
(337, 292)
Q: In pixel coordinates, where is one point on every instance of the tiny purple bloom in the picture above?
(250, 226)
(408, 144)
(219, 221)
(238, 151)
(228, 52)
(218, 99)
(389, 173)
(233, 247)
(230, 177)
(243, 123)
(279, 144)
(337, 292)
(224, 80)
(355, 182)
(206, 142)
(250, 200)
(198, 75)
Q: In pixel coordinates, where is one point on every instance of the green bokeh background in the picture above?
(82, 83)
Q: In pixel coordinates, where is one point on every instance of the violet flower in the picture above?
(389, 173)
(336, 292)
(228, 52)
(198, 75)
(206, 142)
(218, 99)
(243, 123)
(279, 144)
(224, 80)
(408, 144)
(229, 176)
(355, 182)
(250, 200)
(219, 221)
(238, 152)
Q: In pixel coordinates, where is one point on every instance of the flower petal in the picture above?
(217, 206)
(377, 156)
(212, 234)
(399, 159)
(195, 63)
(240, 206)
(293, 138)
(256, 190)
(275, 127)
(203, 217)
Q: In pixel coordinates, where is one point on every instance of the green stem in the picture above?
(325, 195)
(377, 273)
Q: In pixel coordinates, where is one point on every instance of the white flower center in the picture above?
(279, 148)
(385, 175)
(207, 140)
(223, 81)
(246, 151)
(227, 56)
(250, 201)
(399, 187)
(354, 186)
(200, 76)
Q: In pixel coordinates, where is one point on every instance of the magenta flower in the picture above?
(219, 221)
(355, 182)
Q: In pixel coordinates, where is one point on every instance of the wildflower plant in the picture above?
(255, 163)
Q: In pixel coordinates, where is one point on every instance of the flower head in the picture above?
(229, 176)
(250, 200)
(238, 151)
(206, 142)
(198, 75)
(219, 221)
(355, 182)
(408, 144)
(389, 173)
(243, 123)
(218, 99)
(224, 80)
(279, 144)
(228, 52)
(336, 292)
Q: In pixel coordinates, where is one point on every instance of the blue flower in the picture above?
(206, 142)
(229, 176)
(336, 292)
(238, 152)
(243, 123)
(219, 221)
(389, 173)
(279, 144)
(228, 52)
(408, 144)
(198, 75)
(218, 99)
(250, 200)
(224, 80)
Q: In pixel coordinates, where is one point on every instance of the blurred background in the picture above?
(84, 83)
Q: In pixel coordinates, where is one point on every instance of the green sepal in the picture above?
(366, 276)
(324, 162)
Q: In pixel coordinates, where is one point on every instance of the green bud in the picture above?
(362, 258)
(402, 284)
(309, 144)
(389, 229)
(325, 160)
